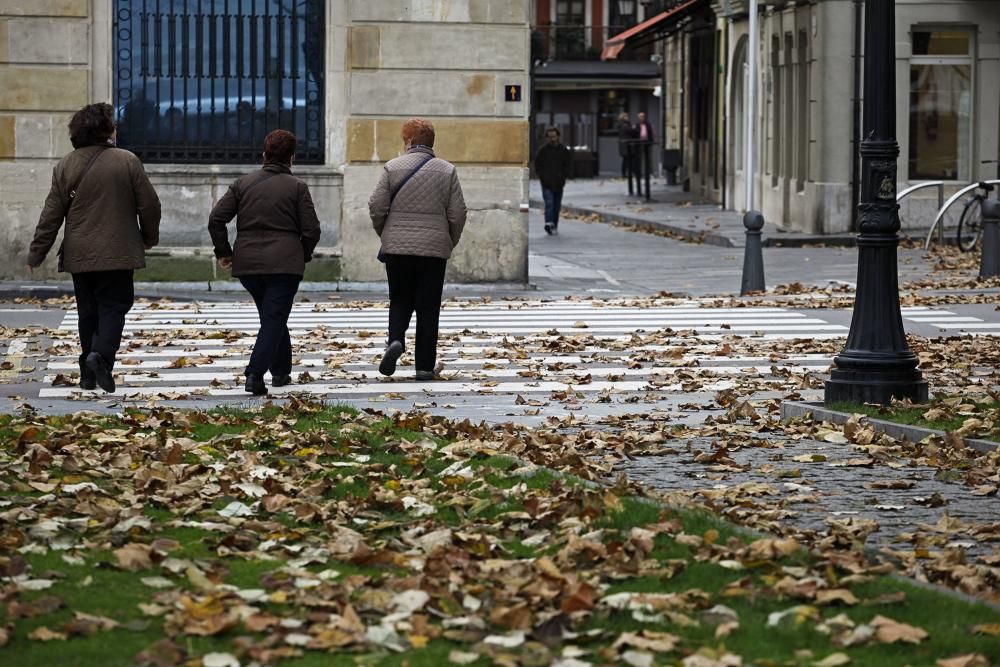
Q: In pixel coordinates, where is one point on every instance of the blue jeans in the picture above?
(553, 203)
(273, 294)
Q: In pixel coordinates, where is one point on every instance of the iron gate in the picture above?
(203, 81)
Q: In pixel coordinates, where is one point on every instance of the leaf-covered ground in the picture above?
(313, 534)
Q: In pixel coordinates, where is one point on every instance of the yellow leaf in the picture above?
(306, 451)
(987, 629)
(833, 660)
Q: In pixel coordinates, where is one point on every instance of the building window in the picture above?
(775, 108)
(802, 113)
(611, 104)
(740, 75)
(205, 80)
(940, 105)
(570, 32)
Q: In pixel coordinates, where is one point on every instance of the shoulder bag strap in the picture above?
(399, 186)
(79, 180)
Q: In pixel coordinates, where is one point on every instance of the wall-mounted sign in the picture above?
(512, 93)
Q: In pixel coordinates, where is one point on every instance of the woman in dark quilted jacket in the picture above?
(419, 212)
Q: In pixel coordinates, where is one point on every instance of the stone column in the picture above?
(448, 63)
(45, 76)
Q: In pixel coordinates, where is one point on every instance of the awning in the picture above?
(615, 45)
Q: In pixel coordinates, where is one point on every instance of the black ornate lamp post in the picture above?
(877, 365)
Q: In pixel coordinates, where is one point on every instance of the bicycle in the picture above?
(970, 223)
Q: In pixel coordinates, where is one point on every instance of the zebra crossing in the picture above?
(190, 351)
(950, 321)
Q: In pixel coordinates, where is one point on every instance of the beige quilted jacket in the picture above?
(428, 214)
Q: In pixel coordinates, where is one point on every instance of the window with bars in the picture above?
(203, 81)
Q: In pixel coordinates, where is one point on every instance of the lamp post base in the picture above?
(874, 386)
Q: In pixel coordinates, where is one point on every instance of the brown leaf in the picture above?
(45, 604)
(834, 595)
(580, 598)
(134, 556)
(992, 629)
(43, 634)
(889, 631)
(967, 660)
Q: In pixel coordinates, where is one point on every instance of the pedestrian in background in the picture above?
(641, 158)
(112, 217)
(553, 163)
(276, 233)
(626, 133)
(419, 212)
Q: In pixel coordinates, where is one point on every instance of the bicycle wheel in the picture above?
(970, 225)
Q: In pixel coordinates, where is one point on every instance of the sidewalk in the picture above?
(673, 210)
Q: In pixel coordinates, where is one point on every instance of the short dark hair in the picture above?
(279, 146)
(93, 124)
(553, 129)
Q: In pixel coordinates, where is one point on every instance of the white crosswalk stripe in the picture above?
(950, 321)
(529, 347)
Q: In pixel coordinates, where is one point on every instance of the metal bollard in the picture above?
(753, 256)
(989, 262)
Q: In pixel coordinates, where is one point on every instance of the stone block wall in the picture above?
(45, 75)
(450, 63)
(385, 61)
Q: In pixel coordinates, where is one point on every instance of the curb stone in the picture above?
(688, 234)
(792, 409)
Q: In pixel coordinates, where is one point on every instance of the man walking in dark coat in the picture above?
(552, 164)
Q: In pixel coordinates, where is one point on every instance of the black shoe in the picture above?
(255, 385)
(99, 366)
(280, 380)
(425, 376)
(87, 379)
(389, 359)
(548, 228)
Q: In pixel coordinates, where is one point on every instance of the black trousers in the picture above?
(103, 299)
(415, 284)
(273, 294)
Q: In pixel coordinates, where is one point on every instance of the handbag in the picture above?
(395, 191)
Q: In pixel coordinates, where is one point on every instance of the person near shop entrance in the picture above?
(112, 217)
(276, 232)
(626, 133)
(553, 164)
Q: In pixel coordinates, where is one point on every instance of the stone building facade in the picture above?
(384, 61)
(809, 89)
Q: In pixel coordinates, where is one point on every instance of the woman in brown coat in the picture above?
(112, 216)
(419, 212)
(276, 233)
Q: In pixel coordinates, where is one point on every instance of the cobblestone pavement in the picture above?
(842, 484)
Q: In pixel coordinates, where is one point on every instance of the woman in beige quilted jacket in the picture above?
(419, 212)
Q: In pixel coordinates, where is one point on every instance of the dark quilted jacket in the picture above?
(276, 224)
(116, 212)
(427, 217)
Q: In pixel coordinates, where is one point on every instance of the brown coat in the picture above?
(276, 228)
(102, 233)
(428, 215)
